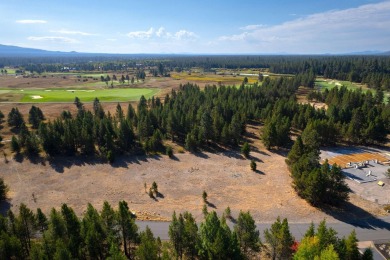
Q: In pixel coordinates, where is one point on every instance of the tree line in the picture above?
(113, 234)
(371, 70)
(351, 116)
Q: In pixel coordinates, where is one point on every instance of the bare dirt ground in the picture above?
(226, 177)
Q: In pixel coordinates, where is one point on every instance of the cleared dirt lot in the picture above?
(226, 177)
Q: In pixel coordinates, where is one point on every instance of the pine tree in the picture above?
(247, 234)
(127, 226)
(148, 248)
(176, 234)
(245, 149)
(3, 190)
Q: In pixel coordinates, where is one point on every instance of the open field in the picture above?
(225, 175)
(68, 95)
(216, 78)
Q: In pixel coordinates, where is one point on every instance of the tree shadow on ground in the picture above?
(36, 159)
(4, 207)
(211, 205)
(356, 216)
(255, 159)
(259, 172)
(232, 219)
(18, 157)
(281, 151)
(59, 163)
(174, 158)
(257, 150)
(160, 195)
(201, 154)
(248, 136)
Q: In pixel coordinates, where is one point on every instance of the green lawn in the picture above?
(9, 71)
(68, 95)
(322, 84)
(337, 83)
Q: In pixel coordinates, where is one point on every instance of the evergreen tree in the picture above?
(15, 147)
(247, 234)
(41, 221)
(127, 227)
(3, 190)
(148, 248)
(15, 118)
(176, 234)
(279, 240)
(35, 117)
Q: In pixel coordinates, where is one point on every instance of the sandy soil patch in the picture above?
(36, 97)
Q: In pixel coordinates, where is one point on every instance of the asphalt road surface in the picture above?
(370, 229)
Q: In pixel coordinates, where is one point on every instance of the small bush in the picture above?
(204, 196)
(169, 151)
(245, 150)
(151, 193)
(253, 165)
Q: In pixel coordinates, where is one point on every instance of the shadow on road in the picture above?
(357, 217)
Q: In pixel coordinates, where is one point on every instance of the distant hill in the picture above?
(15, 51)
(8, 50)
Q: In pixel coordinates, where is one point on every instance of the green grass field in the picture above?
(9, 71)
(85, 95)
(336, 83)
(322, 84)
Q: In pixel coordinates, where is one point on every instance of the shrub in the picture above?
(245, 150)
(169, 151)
(253, 165)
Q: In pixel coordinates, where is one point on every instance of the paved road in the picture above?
(366, 230)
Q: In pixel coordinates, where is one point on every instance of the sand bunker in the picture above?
(36, 97)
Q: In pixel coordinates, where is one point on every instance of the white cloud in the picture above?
(252, 27)
(183, 34)
(162, 33)
(63, 31)
(31, 21)
(52, 39)
(361, 28)
(141, 34)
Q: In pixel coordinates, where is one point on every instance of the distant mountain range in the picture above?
(15, 51)
(8, 50)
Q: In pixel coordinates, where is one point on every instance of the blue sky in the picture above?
(156, 26)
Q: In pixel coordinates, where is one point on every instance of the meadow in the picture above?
(85, 95)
